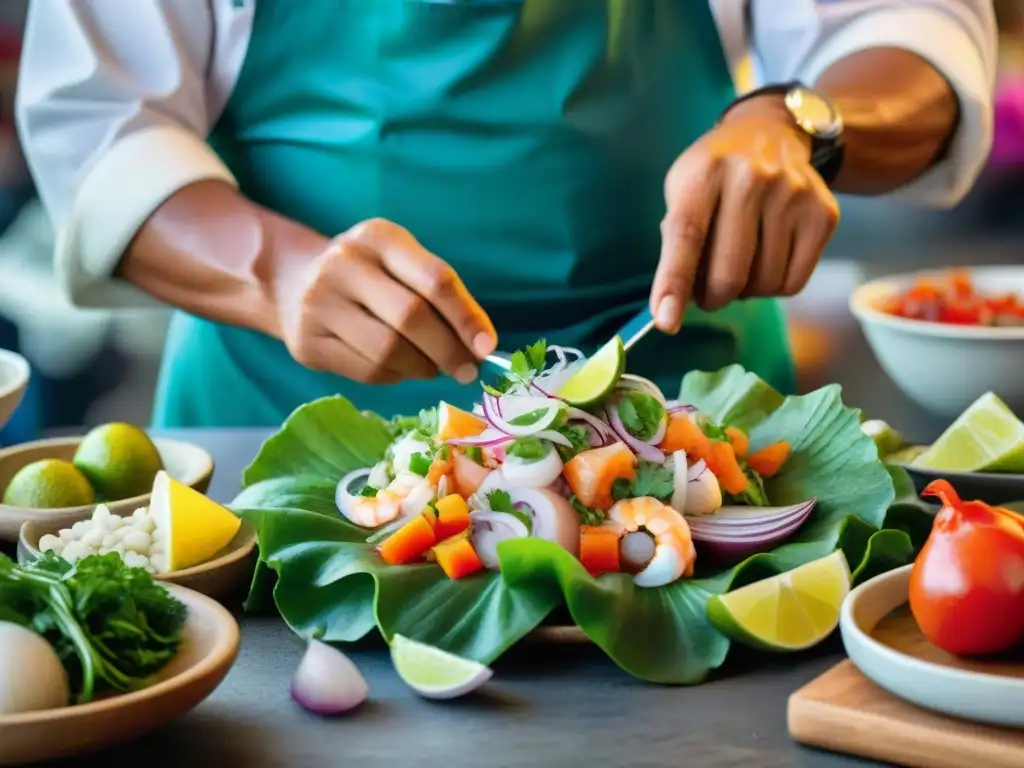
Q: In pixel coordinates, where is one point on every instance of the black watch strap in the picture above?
(826, 153)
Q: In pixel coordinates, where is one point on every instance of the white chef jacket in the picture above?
(117, 97)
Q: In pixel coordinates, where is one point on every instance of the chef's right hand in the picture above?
(377, 307)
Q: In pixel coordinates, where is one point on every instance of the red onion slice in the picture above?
(489, 438)
(736, 538)
(674, 406)
(643, 450)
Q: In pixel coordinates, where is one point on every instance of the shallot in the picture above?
(327, 682)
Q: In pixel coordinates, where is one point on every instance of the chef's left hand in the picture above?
(747, 214)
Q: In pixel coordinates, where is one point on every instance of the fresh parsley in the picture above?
(654, 480)
(641, 414)
(528, 449)
(112, 626)
(587, 515)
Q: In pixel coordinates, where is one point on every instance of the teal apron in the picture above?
(524, 141)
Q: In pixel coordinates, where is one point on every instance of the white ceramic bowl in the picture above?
(14, 373)
(945, 368)
(952, 687)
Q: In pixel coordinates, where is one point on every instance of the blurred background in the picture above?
(90, 367)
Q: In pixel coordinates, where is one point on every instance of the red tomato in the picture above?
(967, 585)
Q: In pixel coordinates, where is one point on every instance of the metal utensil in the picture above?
(631, 334)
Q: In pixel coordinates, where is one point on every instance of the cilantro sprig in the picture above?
(641, 414)
(651, 479)
(524, 365)
(112, 626)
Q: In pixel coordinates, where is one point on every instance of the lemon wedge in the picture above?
(192, 527)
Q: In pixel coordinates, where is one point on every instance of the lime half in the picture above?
(787, 612)
(596, 377)
(433, 673)
(987, 437)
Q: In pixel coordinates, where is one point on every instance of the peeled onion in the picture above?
(32, 677)
(327, 682)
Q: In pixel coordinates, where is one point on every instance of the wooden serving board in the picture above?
(843, 711)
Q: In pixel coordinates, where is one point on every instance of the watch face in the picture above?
(813, 113)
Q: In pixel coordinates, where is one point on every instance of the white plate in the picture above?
(984, 690)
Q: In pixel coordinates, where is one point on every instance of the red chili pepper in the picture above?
(967, 585)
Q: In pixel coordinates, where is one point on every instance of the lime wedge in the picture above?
(433, 673)
(787, 612)
(987, 437)
(596, 377)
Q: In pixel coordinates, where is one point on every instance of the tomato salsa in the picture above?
(954, 299)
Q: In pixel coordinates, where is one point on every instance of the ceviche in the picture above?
(635, 483)
(954, 299)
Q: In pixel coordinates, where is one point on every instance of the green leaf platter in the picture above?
(317, 570)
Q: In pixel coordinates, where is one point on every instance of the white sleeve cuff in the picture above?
(940, 40)
(121, 191)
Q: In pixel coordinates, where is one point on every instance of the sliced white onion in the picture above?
(489, 529)
(553, 517)
(500, 412)
(533, 474)
(703, 493)
(680, 481)
(327, 682)
(343, 496)
(553, 437)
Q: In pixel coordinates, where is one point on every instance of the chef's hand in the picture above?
(747, 214)
(377, 307)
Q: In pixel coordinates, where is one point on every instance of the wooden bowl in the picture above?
(218, 577)
(208, 651)
(14, 375)
(185, 462)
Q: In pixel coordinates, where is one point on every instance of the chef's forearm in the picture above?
(209, 251)
(899, 113)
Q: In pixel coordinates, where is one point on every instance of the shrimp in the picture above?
(375, 511)
(666, 553)
(407, 495)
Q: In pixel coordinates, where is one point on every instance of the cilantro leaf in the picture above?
(500, 501)
(524, 365)
(654, 480)
(578, 436)
(641, 414)
(368, 491)
(424, 424)
(587, 515)
(528, 449)
(474, 453)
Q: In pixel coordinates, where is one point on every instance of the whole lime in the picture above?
(119, 459)
(49, 484)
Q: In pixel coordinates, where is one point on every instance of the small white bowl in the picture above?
(943, 367)
(980, 690)
(14, 374)
(185, 462)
